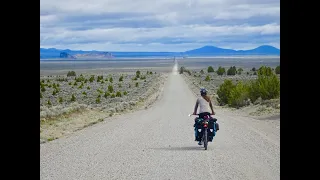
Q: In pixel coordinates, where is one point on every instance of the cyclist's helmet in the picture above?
(203, 91)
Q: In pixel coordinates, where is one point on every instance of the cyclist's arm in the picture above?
(210, 104)
(196, 107)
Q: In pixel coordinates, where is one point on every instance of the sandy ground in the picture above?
(158, 143)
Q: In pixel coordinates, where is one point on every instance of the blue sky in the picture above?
(159, 25)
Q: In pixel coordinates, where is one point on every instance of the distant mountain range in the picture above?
(203, 51)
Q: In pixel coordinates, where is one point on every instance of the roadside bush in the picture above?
(224, 91)
(277, 70)
(99, 91)
(267, 86)
(232, 71)
(73, 98)
(210, 69)
(240, 70)
(207, 78)
(91, 78)
(71, 73)
(80, 79)
(106, 94)
(98, 100)
(118, 94)
(110, 88)
(138, 74)
(182, 69)
(239, 95)
(221, 71)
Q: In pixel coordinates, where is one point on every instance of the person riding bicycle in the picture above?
(203, 103)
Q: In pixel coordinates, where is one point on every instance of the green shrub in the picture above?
(100, 78)
(41, 95)
(224, 91)
(86, 80)
(253, 69)
(81, 86)
(43, 89)
(135, 78)
(98, 100)
(182, 69)
(207, 78)
(143, 77)
(277, 70)
(88, 87)
(110, 88)
(240, 70)
(118, 94)
(60, 100)
(113, 96)
(239, 95)
(80, 79)
(49, 103)
(120, 78)
(232, 71)
(111, 79)
(267, 86)
(54, 92)
(73, 98)
(138, 74)
(71, 73)
(210, 69)
(137, 84)
(221, 71)
(106, 94)
(91, 78)
(100, 91)
(70, 83)
(75, 83)
(84, 93)
(119, 85)
(125, 93)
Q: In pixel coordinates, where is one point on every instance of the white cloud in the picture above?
(119, 24)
